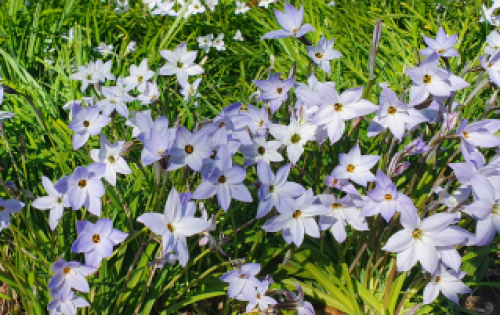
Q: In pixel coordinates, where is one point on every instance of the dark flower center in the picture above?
(222, 124)
(111, 159)
(427, 79)
(438, 278)
(258, 295)
(337, 107)
(59, 200)
(189, 149)
(295, 138)
(417, 234)
(297, 214)
(271, 188)
(139, 79)
(261, 123)
(179, 64)
(466, 135)
(212, 156)
(336, 205)
(261, 150)
(388, 197)
(350, 168)
(279, 90)
(96, 238)
(392, 110)
(66, 270)
(89, 77)
(441, 51)
(82, 183)
(318, 55)
(221, 179)
(86, 124)
(170, 227)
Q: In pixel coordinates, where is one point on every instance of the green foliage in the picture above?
(41, 145)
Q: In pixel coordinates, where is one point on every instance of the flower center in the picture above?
(111, 159)
(337, 107)
(496, 208)
(336, 205)
(335, 181)
(59, 200)
(438, 278)
(279, 90)
(417, 234)
(179, 64)
(427, 79)
(350, 168)
(261, 150)
(295, 138)
(391, 110)
(388, 197)
(297, 214)
(66, 270)
(96, 238)
(221, 179)
(318, 55)
(212, 156)
(82, 183)
(261, 123)
(189, 149)
(170, 227)
(295, 30)
(2, 208)
(222, 124)
(441, 51)
(139, 79)
(160, 152)
(86, 124)
(258, 295)
(271, 188)
(89, 77)
(466, 135)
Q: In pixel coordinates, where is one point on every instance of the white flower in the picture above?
(218, 43)
(139, 75)
(71, 36)
(211, 4)
(294, 137)
(150, 3)
(447, 282)
(150, 95)
(241, 7)
(196, 7)
(189, 90)
(266, 3)
(110, 155)
(130, 48)
(493, 41)
(105, 49)
(122, 6)
(180, 63)
(165, 8)
(261, 150)
(205, 42)
(237, 36)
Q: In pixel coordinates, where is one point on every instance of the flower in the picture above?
(386, 200)
(294, 137)
(290, 21)
(493, 40)
(180, 63)
(418, 241)
(260, 299)
(442, 45)
(194, 8)
(261, 150)
(113, 101)
(225, 181)
(156, 145)
(165, 8)
(336, 109)
(242, 282)
(205, 42)
(69, 275)
(237, 36)
(87, 74)
(6, 208)
(122, 6)
(323, 53)
(189, 90)
(150, 3)
(355, 166)
(478, 134)
(67, 305)
(416, 147)
(296, 218)
(110, 154)
(274, 90)
(189, 149)
(105, 49)
(340, 184)
(241, 7)
(70, 37)
(150, 95)
(139, 75)
(87, 122)
(96, 240)
(394, 115)
(265, 3)
(447, 282)
(275, 190)
(218, 43)
(428, 79)
(130, 48)
(175, 224)
(55, 202)
(341, 211)
(84, 187)
(211, 4)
